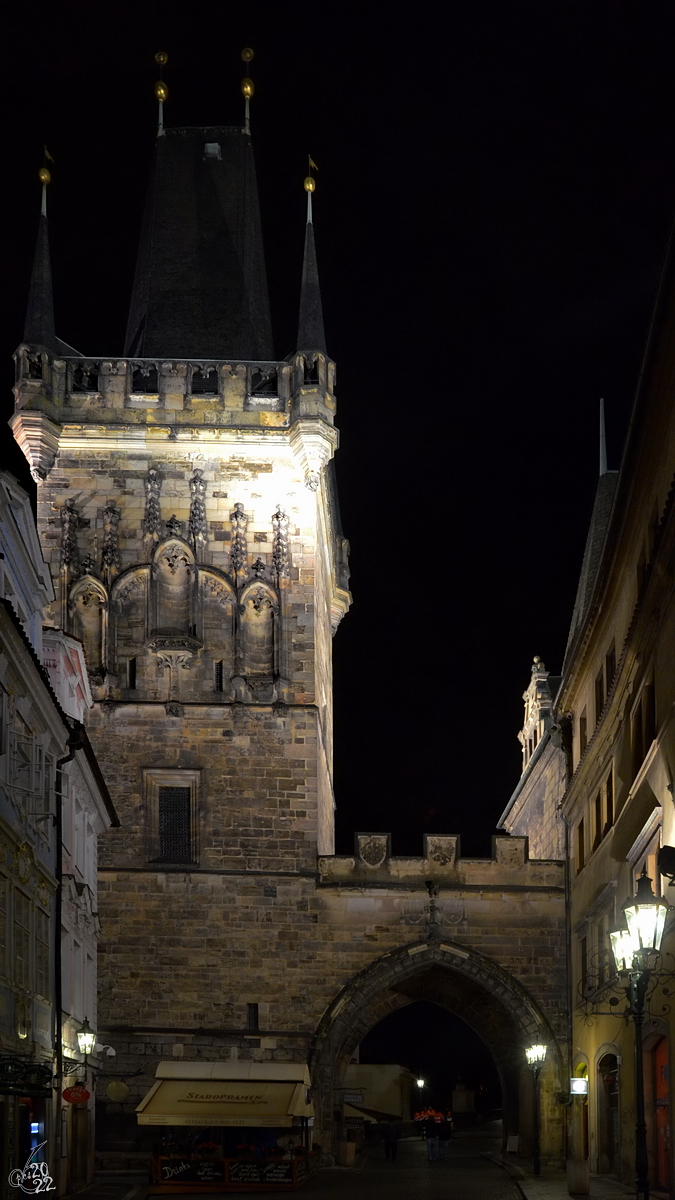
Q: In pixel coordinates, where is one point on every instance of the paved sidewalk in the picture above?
(552, 1183)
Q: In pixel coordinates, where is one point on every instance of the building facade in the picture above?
(601, 778)
(46, 763)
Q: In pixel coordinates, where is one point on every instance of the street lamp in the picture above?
(86, 1040)
(634, 951)
(535, 1056)
(420, 1083)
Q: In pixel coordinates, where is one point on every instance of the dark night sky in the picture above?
(495, 190)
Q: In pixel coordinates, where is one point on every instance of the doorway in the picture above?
(608, 1115)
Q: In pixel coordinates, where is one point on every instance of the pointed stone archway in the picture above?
(471, 986)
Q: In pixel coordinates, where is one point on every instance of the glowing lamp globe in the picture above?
(420, 1083)
(535, 1055)
(86, 1038)
(622, 949)
(645, 916)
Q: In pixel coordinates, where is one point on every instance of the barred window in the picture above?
(3, 925)
(42, 953)
(174, 825)
(21, 940)
(172, 815)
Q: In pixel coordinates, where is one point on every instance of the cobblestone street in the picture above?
(467, 1175)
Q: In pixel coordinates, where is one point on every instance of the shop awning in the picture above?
(235, 1094)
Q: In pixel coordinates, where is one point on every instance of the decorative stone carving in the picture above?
(173, 708)
(153, 516)
(258, 600)
(198, 530)
(175, 651)
(280, 542)
(431, 909)
(135, 583)
(239, 550)
(174, 527)
(89, 565)
(111, 563)
(258, 568)
(372, 848)
(175, 557)
(70, 523)
(216, 588)
(441, 849)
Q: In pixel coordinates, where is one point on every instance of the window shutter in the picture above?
(175, 844)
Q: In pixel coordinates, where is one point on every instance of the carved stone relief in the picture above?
(280, 542)
(70, 523)
(239, 550)
(198, 529)
(111, 563)
(152, 517)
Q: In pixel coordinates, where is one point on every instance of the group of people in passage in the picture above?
(436, 1127)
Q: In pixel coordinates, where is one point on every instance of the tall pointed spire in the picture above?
(603, 440)
(39, 327)
(311, 334)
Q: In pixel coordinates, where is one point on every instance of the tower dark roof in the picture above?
(39, 327)
(595, 541)
(200, 289)
(311, 334)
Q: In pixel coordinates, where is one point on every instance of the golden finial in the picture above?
(247, 89)
(310, 186)
(44, 176)
(161, 90)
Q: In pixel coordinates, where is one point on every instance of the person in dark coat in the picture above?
(432, 1138)
(444, 1134)
(390, 1134)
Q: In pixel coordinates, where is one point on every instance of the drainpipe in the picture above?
(75, 742)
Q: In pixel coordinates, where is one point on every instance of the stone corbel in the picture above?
(313, 443)
(38, 437)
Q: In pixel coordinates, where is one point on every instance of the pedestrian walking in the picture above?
(390, 1135)
(431, 1130)
(444, 1132)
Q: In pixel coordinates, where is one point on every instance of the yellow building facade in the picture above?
(599, 766)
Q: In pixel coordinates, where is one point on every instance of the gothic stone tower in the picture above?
(188, 512)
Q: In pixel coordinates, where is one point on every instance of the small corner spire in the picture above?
(603, 440)
(247, 89)
(39, 326)
(311, 335)
(161, 90)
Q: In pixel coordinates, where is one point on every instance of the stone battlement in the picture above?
(374, 866)
(209, 391)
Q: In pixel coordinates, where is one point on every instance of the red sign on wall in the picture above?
(76, 1094)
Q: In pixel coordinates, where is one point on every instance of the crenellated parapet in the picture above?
(264, 393)
(441, 865)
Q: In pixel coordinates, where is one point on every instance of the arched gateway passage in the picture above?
(468, 984)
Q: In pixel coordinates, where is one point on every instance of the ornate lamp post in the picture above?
(635, 949)
(535, 1056)
(86, 1040)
